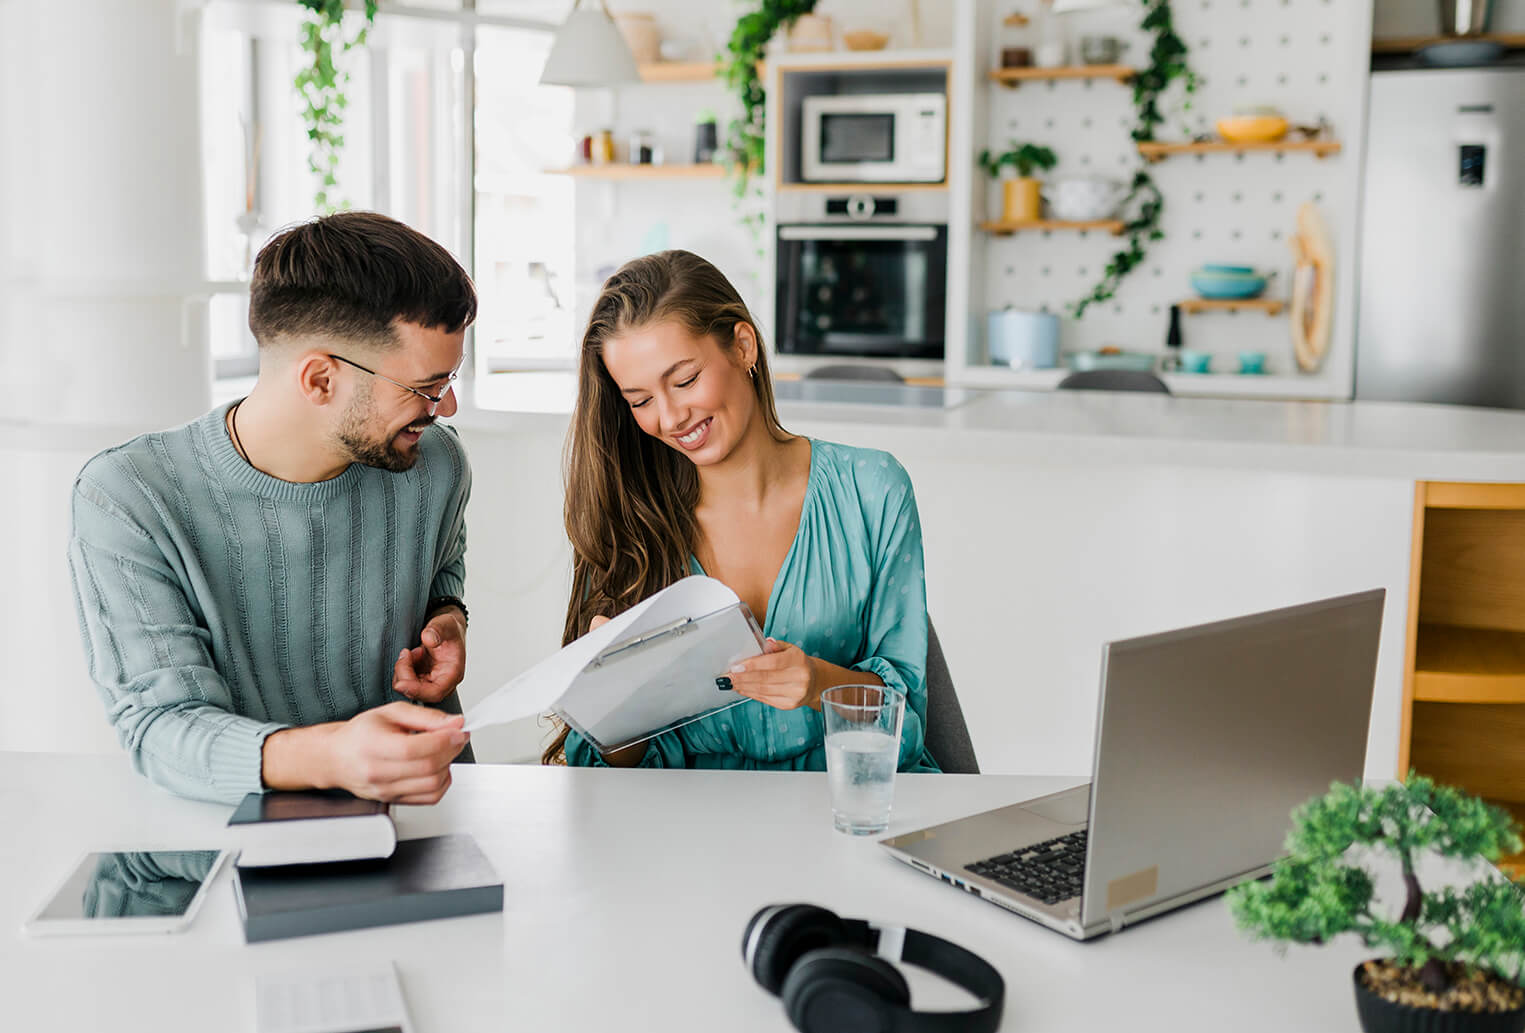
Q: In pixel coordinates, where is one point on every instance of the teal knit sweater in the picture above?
(219, 605)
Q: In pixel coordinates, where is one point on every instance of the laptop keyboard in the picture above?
(1050, 871)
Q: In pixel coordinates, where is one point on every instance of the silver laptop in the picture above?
(1206, 739)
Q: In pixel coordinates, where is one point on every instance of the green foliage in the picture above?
(1023, 157)
(1167, 63)
(1316, 893)
(321, 87)
(743, 149)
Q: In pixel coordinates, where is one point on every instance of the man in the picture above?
(257, 587)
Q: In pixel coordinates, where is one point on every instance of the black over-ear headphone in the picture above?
(833, 976)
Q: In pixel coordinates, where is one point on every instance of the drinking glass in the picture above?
(862, 747)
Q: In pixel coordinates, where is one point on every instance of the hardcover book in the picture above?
(434, 877)
(309, 827)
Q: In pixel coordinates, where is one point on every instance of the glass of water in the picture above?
(862, 746)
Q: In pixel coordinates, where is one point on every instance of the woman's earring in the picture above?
(752, 372)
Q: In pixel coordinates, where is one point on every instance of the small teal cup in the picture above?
(1252, 362)
(1195, 361)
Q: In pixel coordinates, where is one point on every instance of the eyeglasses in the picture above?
(433, 400)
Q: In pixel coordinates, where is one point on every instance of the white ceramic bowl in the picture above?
(1083, 198)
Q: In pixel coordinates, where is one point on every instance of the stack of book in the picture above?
(327, 861)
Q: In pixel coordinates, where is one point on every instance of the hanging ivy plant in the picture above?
(321, 86)
(743, 151)
(1167, 63)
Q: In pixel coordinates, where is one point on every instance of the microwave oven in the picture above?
(874, 138)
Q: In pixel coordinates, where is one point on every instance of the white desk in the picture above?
(625, 895)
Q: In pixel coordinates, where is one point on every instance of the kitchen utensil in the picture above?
(1459, 53)
(1312, 301)
(865, 39)
(1465, 17)
(1083, 198)
(1252, 128)
(1024, 340)
(1082, 361)
(811, 32)
(642, 35)
(1220, 285)
(1195, 362)
(1101, 49)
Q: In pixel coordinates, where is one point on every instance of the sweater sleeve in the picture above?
(151, 663)
(896, 634)
(450, 570)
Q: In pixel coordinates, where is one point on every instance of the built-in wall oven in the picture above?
(863, 275)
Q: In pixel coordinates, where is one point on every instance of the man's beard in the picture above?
(367, 450)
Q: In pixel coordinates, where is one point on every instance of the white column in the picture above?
(102, 315)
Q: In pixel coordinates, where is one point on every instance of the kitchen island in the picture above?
(1053, 522)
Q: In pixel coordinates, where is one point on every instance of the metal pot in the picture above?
(1465, 17)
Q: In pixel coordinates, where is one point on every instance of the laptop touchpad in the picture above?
(1071, 808)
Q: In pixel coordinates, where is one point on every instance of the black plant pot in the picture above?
(1379, 1015)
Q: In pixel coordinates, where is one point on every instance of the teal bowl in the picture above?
(1227, 286)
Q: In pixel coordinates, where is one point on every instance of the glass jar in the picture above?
(603, 147)
(644, 149)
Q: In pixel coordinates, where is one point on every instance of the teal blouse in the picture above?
(852, 592)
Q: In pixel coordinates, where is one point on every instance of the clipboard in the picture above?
(664, 678)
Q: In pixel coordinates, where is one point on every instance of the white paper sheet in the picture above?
(539, 689)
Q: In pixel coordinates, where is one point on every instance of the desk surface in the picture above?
(625, 895)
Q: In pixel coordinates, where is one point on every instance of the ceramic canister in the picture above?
(1024, 340)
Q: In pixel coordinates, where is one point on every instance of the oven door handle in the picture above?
(857, 233)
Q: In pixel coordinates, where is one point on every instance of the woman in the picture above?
(678, 465)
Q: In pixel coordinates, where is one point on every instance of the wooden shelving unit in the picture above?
(1153, 150)
(1270, 306)
(1005, 229)
(1011, 78)
(679, 71)
(642, 171)
(1463, 717)
(1409, 44)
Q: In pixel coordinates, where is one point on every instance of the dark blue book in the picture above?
(435, 877)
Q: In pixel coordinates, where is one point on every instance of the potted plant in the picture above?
(1020, 197)
(1453, 958)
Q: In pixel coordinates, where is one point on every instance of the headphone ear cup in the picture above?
(785, 935)
(843, 990)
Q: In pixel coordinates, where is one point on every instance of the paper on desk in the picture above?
(537, 690)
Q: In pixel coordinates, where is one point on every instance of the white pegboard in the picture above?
(1306, 57)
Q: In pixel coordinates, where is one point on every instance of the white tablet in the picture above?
(129, 891)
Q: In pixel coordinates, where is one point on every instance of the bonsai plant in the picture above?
(1020, 200)
(1453, 957)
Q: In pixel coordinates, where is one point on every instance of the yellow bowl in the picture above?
(1252, 128)
(864, 39)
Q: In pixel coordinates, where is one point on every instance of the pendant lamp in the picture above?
(588, 50)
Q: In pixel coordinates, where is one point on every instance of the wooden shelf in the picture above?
(1270, 306)
(1005, 229)
(1152, 150)
(679, 71)
(642, 171)
(1409, 44)
(1011, 78)
(1454, 664)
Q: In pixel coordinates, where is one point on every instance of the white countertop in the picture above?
(1374, 439)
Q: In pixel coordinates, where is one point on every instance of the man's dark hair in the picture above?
(351, 275)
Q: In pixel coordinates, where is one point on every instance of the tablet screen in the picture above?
(156, 884)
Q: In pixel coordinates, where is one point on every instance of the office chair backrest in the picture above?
(947, 733)
(850, 372)
(1114, 380)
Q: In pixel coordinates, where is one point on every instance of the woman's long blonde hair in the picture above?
(630, 498)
